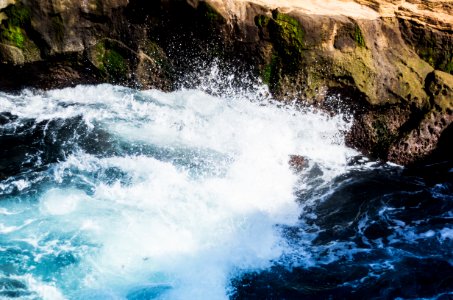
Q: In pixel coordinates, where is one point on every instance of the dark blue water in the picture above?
(111, 193)
(384, 233)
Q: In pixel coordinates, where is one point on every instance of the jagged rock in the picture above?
(381, 54)
(153, 68)
(440, 87)
(423, 140)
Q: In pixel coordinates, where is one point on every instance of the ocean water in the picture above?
(112, 193)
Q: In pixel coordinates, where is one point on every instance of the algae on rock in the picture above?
(13, 32)
(287, 36)
(107, 57)
(12, 28)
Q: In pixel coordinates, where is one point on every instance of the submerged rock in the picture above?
(297, 163)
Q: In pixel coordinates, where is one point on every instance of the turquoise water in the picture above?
(113, 193)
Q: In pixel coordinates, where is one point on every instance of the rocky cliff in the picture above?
(389, 61)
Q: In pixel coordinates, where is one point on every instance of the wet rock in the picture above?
(422, 141)
(113, 59)
(11, 54)
(407, 135)
(380, 53)
(297, 163)
(51, 45)
(6, 117)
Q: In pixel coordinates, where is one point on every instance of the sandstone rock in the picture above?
(382, 57)
(423, 140)
(68, 26)
(5, 3)
(440, 87)
(11, 54)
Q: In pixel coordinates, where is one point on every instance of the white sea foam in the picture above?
(446, 233)
(61, 202)
(165, 230)
(44, 291)
(4, 211)
(5, 229)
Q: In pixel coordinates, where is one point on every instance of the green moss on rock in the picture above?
(270, 71)
(114, 63)
(18, 15)
(448, 67)
(383, 138)
(13, 35)
(109, 59)
(438, 58)
(262, 21)
(358, 37)
(291, 28)
(356, 69)
(12, 29)
(157, 54)
(440, 87)
(437, 50)
(288, 37)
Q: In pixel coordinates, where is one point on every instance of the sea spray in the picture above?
(172, 196)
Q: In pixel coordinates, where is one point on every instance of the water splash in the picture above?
(156, 195)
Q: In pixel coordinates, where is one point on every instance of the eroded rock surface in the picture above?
(390, 61)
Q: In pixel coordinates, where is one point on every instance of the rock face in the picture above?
(55, 43)
(390, 61)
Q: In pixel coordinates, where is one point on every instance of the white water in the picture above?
(200, 205)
